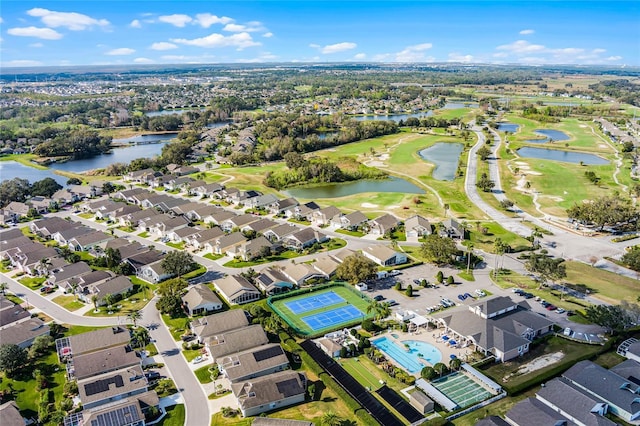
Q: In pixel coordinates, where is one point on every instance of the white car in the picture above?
(480, 293)
(567, 331)
(198, 359)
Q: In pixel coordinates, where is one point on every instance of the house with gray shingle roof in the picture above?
(236, 290)
(200, 299)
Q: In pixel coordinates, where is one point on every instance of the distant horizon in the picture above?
(53, 33)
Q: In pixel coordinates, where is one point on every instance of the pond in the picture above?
(508, 127)
(460, 105)
(13, 169)
(117, 155)
(445, 156)
(146, 139)
(391, 117)
(170, 112)
(335, 190)
(549, 135)
(564, 156)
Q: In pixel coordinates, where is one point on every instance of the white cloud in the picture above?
(360, 56)
(143, 61)
(614, 58)
(36, 45)
(521, 47)
(205, 20)
(71, 20)
(457, 57)
(163, 45)
(263, 57)
(414, 53)
(1, 20)
(338, 47)
(598, 51)
(240, 41)
(122, 51)
(135, 24)
(315, 46)
(177, 20)
(267, 35)
(43, 33)
(22, 63)
(527, 32)
(249, 27)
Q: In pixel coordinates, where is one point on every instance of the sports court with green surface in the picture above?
(461, 389)
(313, 312)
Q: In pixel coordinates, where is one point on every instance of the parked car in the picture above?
(560, 311)
(567, 331)
(394, 272)
(198, 359)
(468, 295)
(150, 375)
(416, 281)
(378, 298)
(392, 302)
(480, 293)
(462, 297)
(551, 307)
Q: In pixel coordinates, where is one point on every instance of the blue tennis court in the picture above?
(313, 302)
(333, 317)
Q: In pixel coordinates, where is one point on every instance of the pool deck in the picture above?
(433, 337)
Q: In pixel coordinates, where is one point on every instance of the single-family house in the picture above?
(255, 362)
(383, 225)
(236, 290)
(273, 281)
(133, 219)
(69, 271)
(259, 226)
(206, 190)
(47, 227)
(417, 226)
(219, 216)
(169, 224)
(255, 248)
(211, 325)
(201, 211)
(89, 241)
(266, 201)
(23, 333)
(299, 273)
(236, 222)
(203, 237)
(304, 238)
(302, 211)
(453, 229)
(199, 299)
(278, 233)
(384, 256)
(325, 216)
(326, 265)
(119, 285)
(181, 235)
(17, 209)
(228, 243)
(178, 183)
(351, 221)
(270, 392)
(281, 205)
(234, 341)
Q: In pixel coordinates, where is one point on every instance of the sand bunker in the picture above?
(554, 198)
(521, 163)
(376, 164)
(533, 173)
(384, 157)
(536, 364)
(368, 205)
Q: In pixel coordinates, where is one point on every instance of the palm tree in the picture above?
(3, 288)
(330, 419)
(44, 264)
(440, 368)
(94, 300)
(109, 299)
(455, 363)
(141, 337)
(134, 316)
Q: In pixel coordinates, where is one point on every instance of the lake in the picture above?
(508, 127)
(146, 139)
(117, 155)
(445, 156)
(13, 169)
(564, 156)
(460, 105)
(391, 117)
(549, 135)
(171, 112)
(335, 190)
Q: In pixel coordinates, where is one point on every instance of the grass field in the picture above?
(349, 295)
(605, 285)
(175, 416)
(361, 373)
(70, 303)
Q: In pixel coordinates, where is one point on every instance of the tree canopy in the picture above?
(178, 263)
(605, 211)
(12, 358)
(439, 250)
(45, 187)
(356, 268)
(614, 318)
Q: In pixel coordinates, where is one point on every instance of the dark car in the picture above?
(551, 307)
(378, 298)
(468, 295)
(527, 295)
(461, 296)
(416, 281)
(150, 375)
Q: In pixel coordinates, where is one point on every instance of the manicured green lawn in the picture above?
(177, 326)
(212, 256)
(178, 246)
(70, 302)
(190, 354)
(33, 283)
(361, 373)
(203, 374)
(175, 416)
(144, 234)
(135, 302)
(350, 233)
(604, 285)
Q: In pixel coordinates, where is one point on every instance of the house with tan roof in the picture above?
(325, 216)
(351, 221)
(416, 227)
(255, 362)
(211, 325)
(199, 299)
(236, 290)
(270, 392)
(229, 244)
(299, 273)
(273, 281)
(384, 224)
(384, 256)
(304, 238)
(235, 341)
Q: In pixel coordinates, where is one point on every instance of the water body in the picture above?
(117, 155)
(445, 156)
(460, 105)
(564, 156)
(171, 112)
(391, 117)
(508, 127)
(218, 124)
(335, 190)
(146, 139)
(549, 135)
(13, 169)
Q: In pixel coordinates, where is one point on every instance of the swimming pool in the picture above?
(408, 357)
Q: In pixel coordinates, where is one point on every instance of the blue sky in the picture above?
(155, 32)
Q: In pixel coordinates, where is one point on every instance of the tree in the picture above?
(612, 317)
(45, 187)
(546, 267)
(94, 300)
(632, 259)
(379, 310)
(134, 316)
(484, 183)
(450, 280)
(140, 337)
(15, 189)
(356, 268)
(3, 288)
(178, 263)
(170, 304)
(438, 250)
(74, 181)
(440, 368)
(428, 373)
(12, 358)
(483, 152)
(455, 363)
(330, 419)
(40, 345)
(172, 287)
(605, 211)
(409, 291)
(109, 299)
